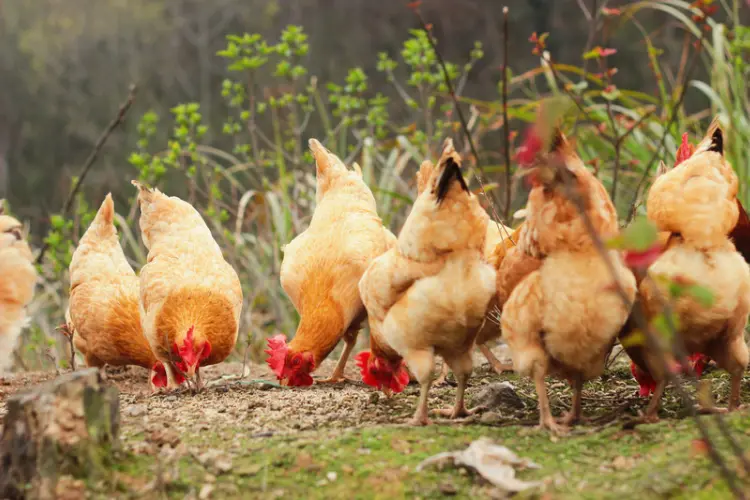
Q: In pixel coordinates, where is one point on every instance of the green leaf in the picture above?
(702, 294)
(640, 235)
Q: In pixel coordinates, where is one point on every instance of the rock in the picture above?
(215, 461)
(66, 427)
(489, 417)
(206, 491)
(499, 394)
(136, 410)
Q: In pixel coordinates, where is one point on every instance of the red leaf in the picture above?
(532, 145)
(414, 5)
(611, 12)
(607, 52)
(635, 259)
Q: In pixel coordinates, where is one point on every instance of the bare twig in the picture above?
(462, 119)
(506, 125)
(116, 121)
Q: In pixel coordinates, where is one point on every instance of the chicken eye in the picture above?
(295, 362)
(16, 232)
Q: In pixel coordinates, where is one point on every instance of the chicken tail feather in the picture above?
(451, 172)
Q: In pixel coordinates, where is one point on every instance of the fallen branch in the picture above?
(118, 119)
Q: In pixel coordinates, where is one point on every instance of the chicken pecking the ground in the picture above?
(103, 314)
(696, 202)
(321, 269)
(429, 295)
(17, 281)
(190, 297)
(563, 318)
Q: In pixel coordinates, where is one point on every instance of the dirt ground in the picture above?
(238, 412)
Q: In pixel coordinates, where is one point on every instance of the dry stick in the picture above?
(118, 119)
(508, 179)
(593, 18)
(462, 119)
(651, 340)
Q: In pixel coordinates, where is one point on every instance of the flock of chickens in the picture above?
(435, 290)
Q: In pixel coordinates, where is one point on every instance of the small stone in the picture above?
(448, 489)
(206, 491)
(490, 417)
(499, 394)
(136, 410)
(249, 470)
(332, 476)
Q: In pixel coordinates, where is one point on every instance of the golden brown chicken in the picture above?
(103, 314)
(321, 269)
(190, 297)
(696, 202)
(17, 281)
(429, 295)
(563, 318)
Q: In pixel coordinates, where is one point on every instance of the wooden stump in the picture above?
(66, 427)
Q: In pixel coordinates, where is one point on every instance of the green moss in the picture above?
(653, 461)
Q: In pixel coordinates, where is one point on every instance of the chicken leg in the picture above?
(421, 363)
(462, 368)
(653, 405)
(494, 362)
(350, 340)
(546, 420)
(574, 415)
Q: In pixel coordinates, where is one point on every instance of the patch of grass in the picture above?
(653, 461)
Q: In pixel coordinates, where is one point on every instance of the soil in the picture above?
(241, 422)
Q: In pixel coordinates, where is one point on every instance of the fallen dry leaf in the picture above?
(493, 462)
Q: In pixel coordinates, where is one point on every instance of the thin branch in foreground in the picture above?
(116, 121)
(508, 180)
(651, 340)
(462, 119)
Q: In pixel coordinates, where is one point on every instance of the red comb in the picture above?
(277, 350)
(685, 150)
(188, 353)
(395, 381)
(646, 382)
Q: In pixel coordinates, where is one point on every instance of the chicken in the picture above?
(696, 201)
(498, 239)
(321, 269)
(17, 281)
(429, 295)
(190, 297)
(563, 318)
(102, 313)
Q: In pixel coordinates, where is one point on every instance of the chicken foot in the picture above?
(442, 378)
(494, 362)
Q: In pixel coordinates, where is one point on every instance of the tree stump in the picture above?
(66, 427)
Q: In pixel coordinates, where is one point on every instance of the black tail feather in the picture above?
(452, 171)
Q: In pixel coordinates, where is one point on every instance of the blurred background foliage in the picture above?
(230, 91)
